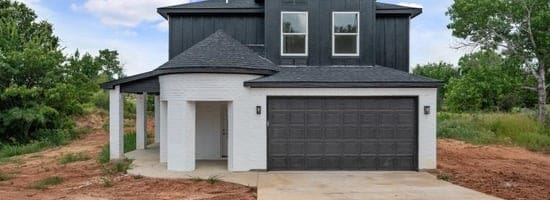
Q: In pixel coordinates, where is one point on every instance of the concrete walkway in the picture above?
(314, 185)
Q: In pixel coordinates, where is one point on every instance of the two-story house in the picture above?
(285, 85)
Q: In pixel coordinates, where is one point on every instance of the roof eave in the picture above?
(412, 12)
(166, 11)
(294, 84)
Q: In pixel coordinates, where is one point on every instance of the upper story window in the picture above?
(294, 33)
(345, 34)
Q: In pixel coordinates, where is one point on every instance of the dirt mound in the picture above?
(85, 179)
(506, 172)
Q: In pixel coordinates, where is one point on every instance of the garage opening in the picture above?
(342, 133)
(211, 135)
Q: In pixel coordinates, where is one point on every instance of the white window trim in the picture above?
(358, 34)
(306, 34)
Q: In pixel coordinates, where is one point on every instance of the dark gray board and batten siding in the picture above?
(320, 31)
(392, 41)
(187, 30)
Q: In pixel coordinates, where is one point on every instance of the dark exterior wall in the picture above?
(320, 31)
(187, 30)
(392, 41)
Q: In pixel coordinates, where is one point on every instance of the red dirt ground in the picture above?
(505, 172)
(85, 179)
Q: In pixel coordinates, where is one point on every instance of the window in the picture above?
(294, 32)
(345, 34)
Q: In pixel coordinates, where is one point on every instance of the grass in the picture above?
(45, 183)
(9, 160)
(73, 157)
(4, 177)
(107, 182)
(495, 128)
(129, 145)
(54, 140)
(116, 167)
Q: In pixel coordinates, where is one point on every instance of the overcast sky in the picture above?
(140, 35)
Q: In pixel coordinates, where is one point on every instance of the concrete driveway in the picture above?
(359, 185)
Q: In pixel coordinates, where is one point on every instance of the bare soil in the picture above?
(85, 179)
(505, 172)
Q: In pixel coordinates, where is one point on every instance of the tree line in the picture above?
(510, 70)
(40, 87)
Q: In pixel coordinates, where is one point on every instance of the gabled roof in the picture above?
(215, 6)
(220, 51)
(342, 77)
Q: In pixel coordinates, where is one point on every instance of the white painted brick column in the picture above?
(157, 119)
(181, 135)
(141, 121)
(116, 124)
(163, 131)
(427, 136)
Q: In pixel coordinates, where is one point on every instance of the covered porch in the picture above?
(146, 163)
(188, 136)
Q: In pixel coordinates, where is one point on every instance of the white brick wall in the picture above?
(247, 130)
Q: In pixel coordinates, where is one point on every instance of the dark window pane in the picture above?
(294, 44)
(345, 23)
(294, 23)
(345, 44)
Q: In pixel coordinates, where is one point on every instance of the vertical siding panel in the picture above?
(380, 41)
(314, 42)
(325, 33)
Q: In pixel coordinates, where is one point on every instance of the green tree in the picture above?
(441, 71)
(486, 84)
(40, 88)
(519, 28)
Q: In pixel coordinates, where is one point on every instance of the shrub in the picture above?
(213, 179)
(45, 183)
(73, 157)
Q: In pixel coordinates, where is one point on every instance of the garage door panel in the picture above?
(350, 132)
(314, 132)
(351, 148)
(277, 132)
(333, 148)
(314, 149)
(369, 148)
(279, 117)
(342, 133)
(296, 149)
(368, 162)
(314, 117)
(333, 132)
(297, 132)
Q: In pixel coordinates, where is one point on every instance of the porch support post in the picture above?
(141, 121)
(181, 136)
(116, 124)
(163, 131)
(157, 119)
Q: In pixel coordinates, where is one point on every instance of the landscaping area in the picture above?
(80, 170)
(501, 154)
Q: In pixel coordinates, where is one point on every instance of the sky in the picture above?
(140, 35)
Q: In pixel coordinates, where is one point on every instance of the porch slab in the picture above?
(146, 163)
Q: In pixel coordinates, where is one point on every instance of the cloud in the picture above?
(127, 13)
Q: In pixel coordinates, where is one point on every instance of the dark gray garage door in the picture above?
(339, 133)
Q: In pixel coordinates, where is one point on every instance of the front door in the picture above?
(224, 132)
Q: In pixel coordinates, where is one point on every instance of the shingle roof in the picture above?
(220, 4)
(342, 76)
(220, 52)
(214, 6)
